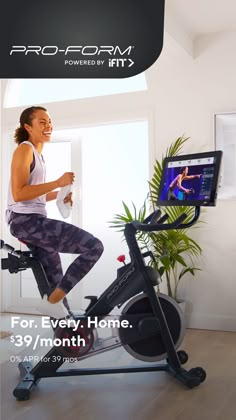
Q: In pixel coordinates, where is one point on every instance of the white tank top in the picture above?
(37, 176)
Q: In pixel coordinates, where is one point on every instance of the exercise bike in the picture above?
(156, 322)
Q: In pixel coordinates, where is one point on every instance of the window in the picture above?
(37, 91)
(225, 140)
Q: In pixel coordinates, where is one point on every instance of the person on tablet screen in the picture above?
(176, 184)
(27, 216)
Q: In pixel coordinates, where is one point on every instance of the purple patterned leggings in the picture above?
(49, 237)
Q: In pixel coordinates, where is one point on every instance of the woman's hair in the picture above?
(182, 169)
(21, 134)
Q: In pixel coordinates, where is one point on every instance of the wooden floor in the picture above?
(136, 396)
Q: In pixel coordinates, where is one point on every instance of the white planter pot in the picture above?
(182, 304)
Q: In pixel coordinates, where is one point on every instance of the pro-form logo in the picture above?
(80, 39)
(88, 51)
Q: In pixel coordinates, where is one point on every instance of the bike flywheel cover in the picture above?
(152, 348)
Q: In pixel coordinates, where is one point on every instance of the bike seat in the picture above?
(27, 244)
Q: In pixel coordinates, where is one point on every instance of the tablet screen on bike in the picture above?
(190, 180)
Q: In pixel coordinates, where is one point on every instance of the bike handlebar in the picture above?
(148, 226)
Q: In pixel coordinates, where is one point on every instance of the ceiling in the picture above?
(186, 20)
(198, 17)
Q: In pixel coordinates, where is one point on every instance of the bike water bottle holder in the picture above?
(152, 273)
(133, 282)
(123, 269)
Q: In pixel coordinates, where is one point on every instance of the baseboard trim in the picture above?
(211, 322)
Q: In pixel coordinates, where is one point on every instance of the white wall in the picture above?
(187, 92)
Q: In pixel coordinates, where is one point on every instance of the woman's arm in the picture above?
(192, 176)
(20, 173)
(51, 196)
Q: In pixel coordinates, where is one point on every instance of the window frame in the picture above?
(226, 192)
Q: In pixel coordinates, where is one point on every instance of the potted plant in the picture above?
(175, 252)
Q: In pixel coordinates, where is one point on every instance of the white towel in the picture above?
(64, 208)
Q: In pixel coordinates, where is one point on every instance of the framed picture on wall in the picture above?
(225, 140)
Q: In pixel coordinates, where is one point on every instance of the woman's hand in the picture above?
(66, 179)
(68, 199)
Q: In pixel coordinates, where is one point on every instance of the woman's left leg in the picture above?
(51, 263)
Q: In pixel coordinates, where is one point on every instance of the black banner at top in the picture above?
(80, 38)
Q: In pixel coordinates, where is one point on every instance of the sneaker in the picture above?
(54, 310)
